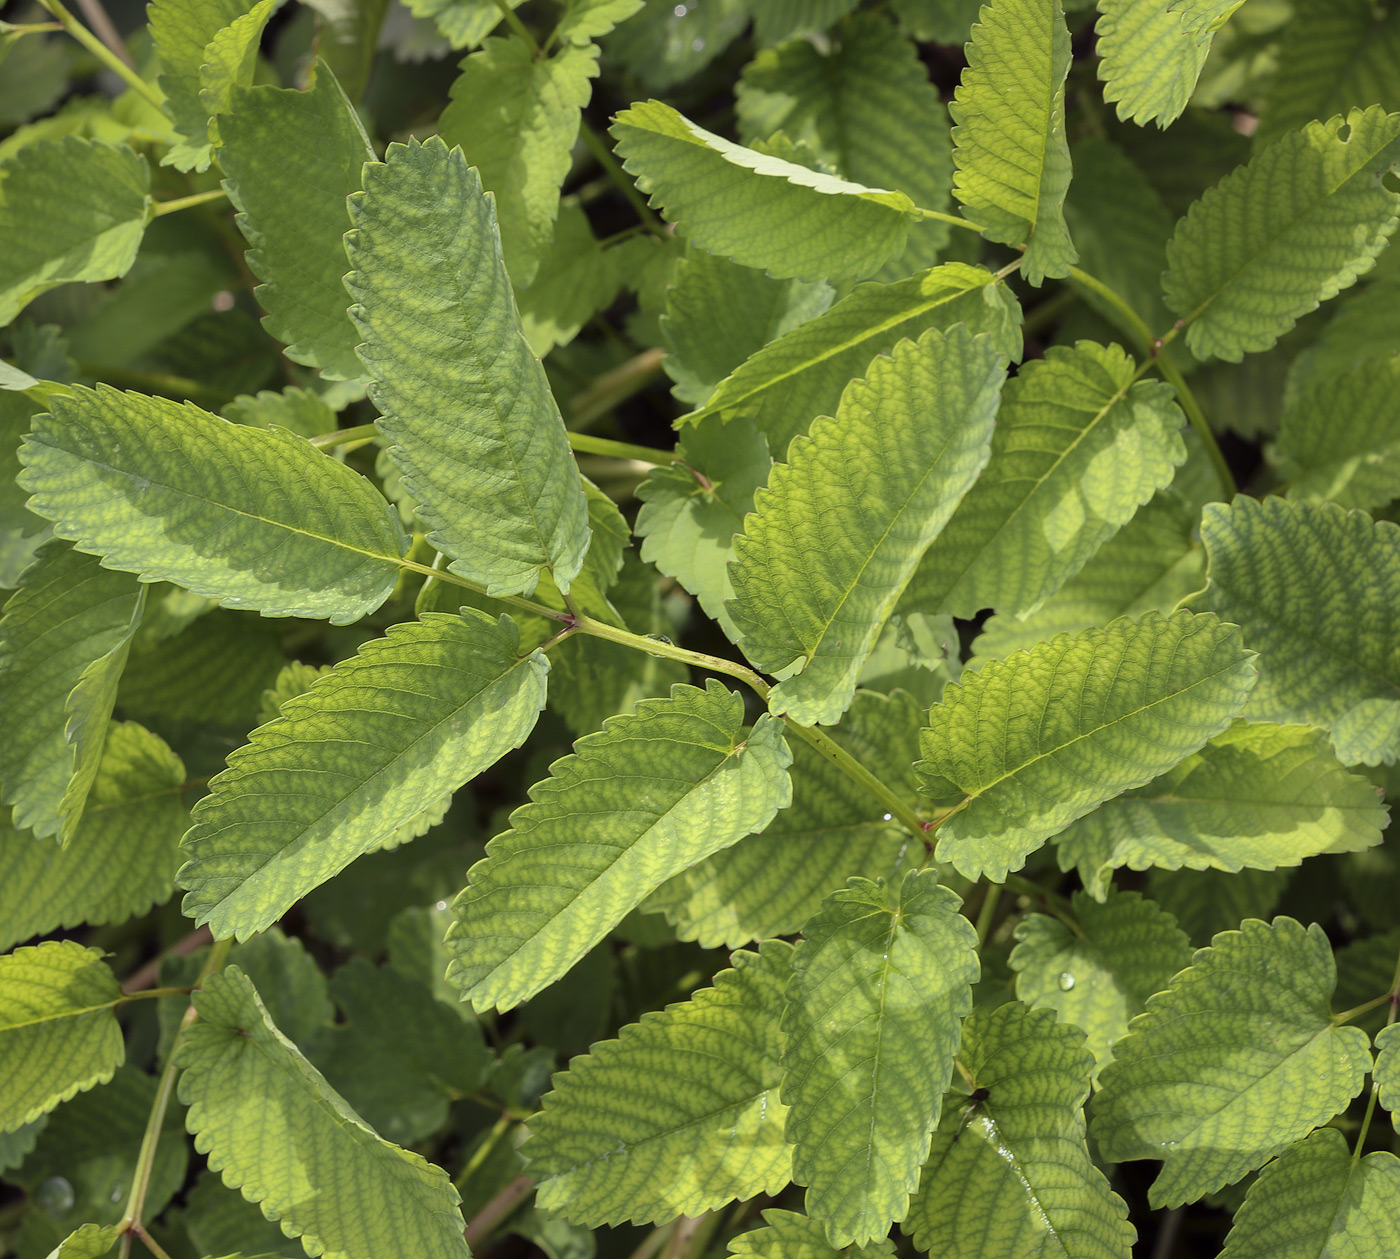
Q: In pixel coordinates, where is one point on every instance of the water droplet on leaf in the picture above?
(55, 1196)
(1066, 981)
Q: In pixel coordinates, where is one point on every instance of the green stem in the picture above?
(832, 751)
(104, 54)
(587, 444)
(344, 436)
(603, 155)
(1357, 1011)
(939, 217)
(1393, 996)
(988, 912)
(513, 21)
(184, 203)
(150, 1242)
(483, 1151)
(654, 1241)
(614, 387)
(669, 651)
(452, 579)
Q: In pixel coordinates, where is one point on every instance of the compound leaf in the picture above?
(838, 531)
(1010, 152)
(1009, 1172)
(1316, 1202)
(276, 1130)
(467, 409)
(1100, 977)
(58, 1028)
(1148, 61)
(709, 1126)
(72, 210)
(1315, 589)
(801, 375)
(760, 210)
(787, 1235)
(651, 793)
(64, 639)
(122, 857)
(1078, 448)
(1220, 1075)
(1295, 226)
(410, 718)
(292, 158)
(256, 518)
(1027, 745)
(1258, 796)
(872, 1020)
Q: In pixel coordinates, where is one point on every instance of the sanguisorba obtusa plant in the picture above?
(905, 585)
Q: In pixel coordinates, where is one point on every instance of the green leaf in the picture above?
(1364, 326)
(872, 1020)
(588, 19)
(1100, 976)
(1340, 439)
(466, 405)
(776, 21)
(64, 640)
(576, 279)
(413, 716)
(516, 117)
(291, 159)
(865, 107)
(651, 793)
(463, 23)
(1010, 152)
(839, 530)
(667, 44)
(230, 60)
(802, 374)
(181, 31)
(221, 1221)
(121, 859)
(1387, 1072)
(1078, 448)
(1317, 1202)
(1257, 795)
(787, 1235)
(1010, 1174)
(770, 884)
(91, 1241)
(1314, 588)
(709, 1128)
(256, 518)
(299, 410)
(253, 1098)
(760, 211)
(1292, 228)
(1202, 18)
(71, 211)
(1027, 745)
(1149, 63)
(1205, 902)
(58, 1028)
(1220, 1075)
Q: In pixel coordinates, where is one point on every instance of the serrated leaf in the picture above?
(588, 19)
(1099, 977)
(651, 793)
(71, 211)
(839, 530)
(413, 716)
(58, 1027)
(253, 1098)
(180, 31)
(1292, 228)
(221, 1221)
(1340, 438)
(230, 60)
(256, 518)
(1010, 1174)
(1149, 63)
(1010, 153)
(1078, 448)
(1315, 590)
(122, 858)
(801, 375)
(711, 1128)
(1256, 795)
(91, 1241)
(770, 884)
(1034, 742)
(1220, 1075)
(864, 105)
(467, 408)
(64, 640)
(872, 1020)
(787, 1235)
(1205, 902)
(1317, 1202)
(516, 116)
(1387, 1069)
(760, 211)
(463, 23)
(292, 159)
(576, 279)
(1203, 17)
(1364, 326)
(299, 410)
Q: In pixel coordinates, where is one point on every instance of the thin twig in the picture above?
(1166, 1233)
(597, 146)
(616, 386)
(495, 1212)
(146, 976)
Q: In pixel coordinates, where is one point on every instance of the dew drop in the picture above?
(441, 905)
(698, 45)
(118, 1191)
(680, 10)
(55, 1196)
(1066, 981)
(889, 817)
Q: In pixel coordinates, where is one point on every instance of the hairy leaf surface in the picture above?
(271, 1124)
(467, 408)
(255, 518)
(1219, 1075)
(1027, 745)
(837, 533)
(872, 1020)
(678, 1115)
